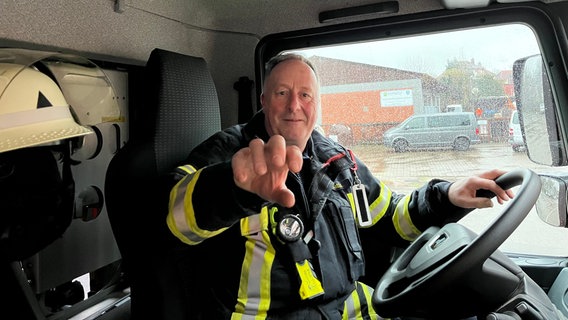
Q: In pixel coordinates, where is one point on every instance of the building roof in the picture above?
(335, 71)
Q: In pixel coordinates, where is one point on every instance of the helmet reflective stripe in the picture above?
(402, 222)
(254, 287)
(23, 118)
(181, 216)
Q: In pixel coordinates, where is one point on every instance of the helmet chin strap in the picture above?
(68, 183)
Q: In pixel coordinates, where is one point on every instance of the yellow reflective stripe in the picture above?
(402, 222)
(368, 292)
(181, 216)
(269, 255)
(359, 300)
(187, 168)
(352, 204)
(379, 207)
(253, 300)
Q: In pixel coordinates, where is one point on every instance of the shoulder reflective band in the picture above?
(290, 228)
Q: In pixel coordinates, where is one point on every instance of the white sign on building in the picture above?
(397, 98)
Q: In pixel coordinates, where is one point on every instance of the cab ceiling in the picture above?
(261, 17)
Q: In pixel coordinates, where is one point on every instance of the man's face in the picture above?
(290, 102)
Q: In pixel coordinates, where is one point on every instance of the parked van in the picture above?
(457, 130)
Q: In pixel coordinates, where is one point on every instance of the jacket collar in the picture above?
(318, 147)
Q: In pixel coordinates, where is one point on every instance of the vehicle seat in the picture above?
(180, 109)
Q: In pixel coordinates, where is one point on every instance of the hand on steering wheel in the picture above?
(413, 284)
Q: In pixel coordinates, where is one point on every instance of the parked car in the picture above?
(457, 130)
(516, 139)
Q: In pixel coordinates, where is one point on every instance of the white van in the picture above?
(457, 130)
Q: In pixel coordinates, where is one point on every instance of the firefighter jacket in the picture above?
(243, 267)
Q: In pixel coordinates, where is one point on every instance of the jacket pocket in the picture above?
(341, 255)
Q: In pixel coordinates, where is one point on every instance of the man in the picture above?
(275, 211)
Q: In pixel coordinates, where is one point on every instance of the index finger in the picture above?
(275, 151)
(294, 158)
(256, 147)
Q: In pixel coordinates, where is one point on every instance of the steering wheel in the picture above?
(439, 257)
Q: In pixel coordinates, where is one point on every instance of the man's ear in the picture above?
(262, 99)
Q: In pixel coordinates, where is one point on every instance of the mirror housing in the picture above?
(537, 112)
(552, 203)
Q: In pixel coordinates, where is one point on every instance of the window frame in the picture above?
(538, 16)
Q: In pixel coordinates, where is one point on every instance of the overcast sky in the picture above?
(495, 48)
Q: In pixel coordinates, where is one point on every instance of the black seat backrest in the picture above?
(180, 110)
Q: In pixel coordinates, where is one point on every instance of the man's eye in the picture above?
(281, 93)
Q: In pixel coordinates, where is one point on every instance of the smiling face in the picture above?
(290, 101)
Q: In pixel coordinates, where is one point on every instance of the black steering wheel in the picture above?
(419, 282)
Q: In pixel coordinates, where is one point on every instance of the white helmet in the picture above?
(33, 110)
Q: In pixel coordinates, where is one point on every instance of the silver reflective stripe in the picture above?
(358, 305)
(188, 168)
(252, 224)
(181, 210)
(402, 222)
(178, 210)
(254, 288)
(349, 310)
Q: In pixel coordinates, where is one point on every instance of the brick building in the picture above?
(360, 101)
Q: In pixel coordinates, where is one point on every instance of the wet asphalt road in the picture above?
(403, 172)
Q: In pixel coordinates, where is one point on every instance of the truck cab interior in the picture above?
(83, 235)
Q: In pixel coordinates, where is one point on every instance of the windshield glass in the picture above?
(466, 76)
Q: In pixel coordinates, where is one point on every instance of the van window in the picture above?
(373, 85)
(453, 121)
(416, 123)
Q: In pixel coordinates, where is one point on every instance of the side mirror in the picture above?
(552, 204)
(537, 115)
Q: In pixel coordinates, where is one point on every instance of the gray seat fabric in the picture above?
(180, 110)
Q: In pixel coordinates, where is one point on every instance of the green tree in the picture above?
(467, 82)
(458, 80)
(487, 85)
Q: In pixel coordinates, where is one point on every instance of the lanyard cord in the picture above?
(354, 162)
(341, 155)
(335, 157)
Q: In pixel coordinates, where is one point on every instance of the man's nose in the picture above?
(294, 103)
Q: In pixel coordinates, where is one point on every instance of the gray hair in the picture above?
(277, 59)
